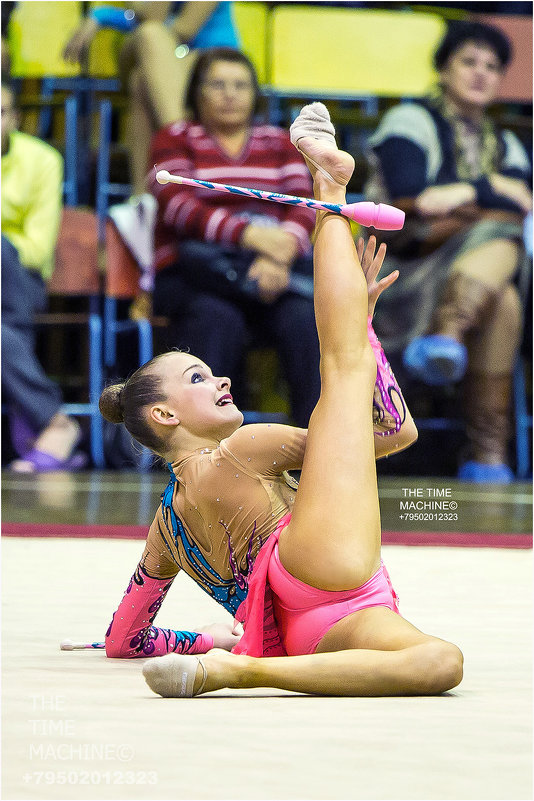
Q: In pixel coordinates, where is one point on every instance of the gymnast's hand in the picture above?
(371, 266)
(225, 635)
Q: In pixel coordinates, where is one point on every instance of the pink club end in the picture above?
(381, 216)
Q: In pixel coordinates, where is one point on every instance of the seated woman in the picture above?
(464, 186)
(316, 589)
(226, 264)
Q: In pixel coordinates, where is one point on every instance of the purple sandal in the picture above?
(22, 434)
(46, 463)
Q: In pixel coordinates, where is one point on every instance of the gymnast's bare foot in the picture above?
(223, 669)
(318, 153)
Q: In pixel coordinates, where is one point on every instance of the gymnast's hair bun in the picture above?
(110, 403)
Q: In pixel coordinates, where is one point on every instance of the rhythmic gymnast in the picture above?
(319, 611)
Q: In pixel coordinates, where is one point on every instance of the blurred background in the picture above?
(360, 58)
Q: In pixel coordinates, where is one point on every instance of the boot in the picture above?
(440, 357)
(487, 413)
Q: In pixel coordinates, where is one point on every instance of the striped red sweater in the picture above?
(269, 161)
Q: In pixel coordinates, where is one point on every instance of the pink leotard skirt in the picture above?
(304, 614)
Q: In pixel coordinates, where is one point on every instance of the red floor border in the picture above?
(439, 538)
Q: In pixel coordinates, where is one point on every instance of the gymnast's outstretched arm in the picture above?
(393, 426)
(131, 634)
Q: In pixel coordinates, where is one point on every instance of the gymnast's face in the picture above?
(226, 99)
(196, 400)
(472, 75)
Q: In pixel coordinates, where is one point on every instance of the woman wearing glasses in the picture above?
(225, 265)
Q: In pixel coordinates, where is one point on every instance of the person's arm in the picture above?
(393, 426)
(273, 448)
(513, 179)
(404, 168)
(77, 48)
(37, 240)
(433, 213)
(508, 188)
(281, 244)
(191, 18)
(124, 20)
(131, 634)
(403, 165)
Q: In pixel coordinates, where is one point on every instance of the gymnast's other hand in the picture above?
(371, 262)
(271, 277)
(225, 635)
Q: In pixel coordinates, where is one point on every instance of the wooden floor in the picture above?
(78, 725)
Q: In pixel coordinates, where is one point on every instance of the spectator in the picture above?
(32, 174)
(155, 61)
(7, 9)
(205, 240)
(465, 188)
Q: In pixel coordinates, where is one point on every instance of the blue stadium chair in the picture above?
(77, 277)
(523, 424)
(522, 412)
(81, 91)
(122, 274)
(106, 190)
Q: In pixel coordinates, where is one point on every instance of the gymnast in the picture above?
(318, 607)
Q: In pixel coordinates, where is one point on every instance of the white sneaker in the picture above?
(135, 221)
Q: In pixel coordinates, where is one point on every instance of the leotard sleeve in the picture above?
(393, 425)
(131, 633)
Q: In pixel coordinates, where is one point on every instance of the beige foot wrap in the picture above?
(313, 120)
(173, 675)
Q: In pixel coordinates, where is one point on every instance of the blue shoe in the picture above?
(436, 359)
(480, 473)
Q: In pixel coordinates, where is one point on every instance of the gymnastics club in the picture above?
(68, 645)
(381, 216)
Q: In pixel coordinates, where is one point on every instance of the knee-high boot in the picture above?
(487, 413)
(440, 357)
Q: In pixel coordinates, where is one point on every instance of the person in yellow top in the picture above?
(31, 191)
